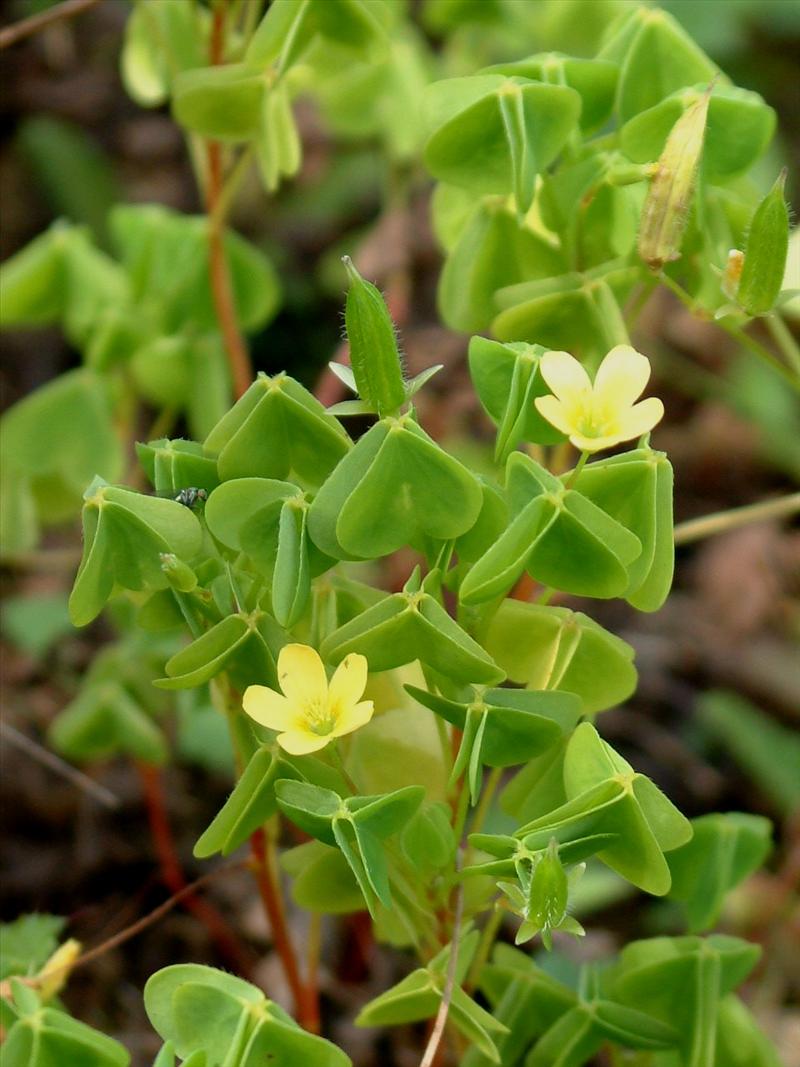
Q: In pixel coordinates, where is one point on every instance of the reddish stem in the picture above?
(221, 287)
(305, 997)
(172, 873)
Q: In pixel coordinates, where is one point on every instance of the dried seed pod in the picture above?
(765, 253)
(666, 209)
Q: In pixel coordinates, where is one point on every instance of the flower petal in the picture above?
(566, 377)
(353, 717)
(349, 682)
(595, 444)
(301, 674)
(300, 742)
(641, 418)
(621, 378)
(267, 707)
(555, 412)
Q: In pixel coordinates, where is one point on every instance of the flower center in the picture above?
(319, 717)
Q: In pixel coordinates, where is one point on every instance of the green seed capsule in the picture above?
(547, 903)
(374, 354)
(765, 253)
(666, 209)
(179, 574)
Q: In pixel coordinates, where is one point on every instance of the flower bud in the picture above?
(765, 253)
(732, 274)
(374, 355)
(53, 976)
(666, 209)
(179, 574)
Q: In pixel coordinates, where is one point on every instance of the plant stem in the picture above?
(737, 333)
(172, 873)
(720, 521)
(784, 339)
(306, 1005)
(130, 931)
(27, 27)
(487, 796)
(221, 287)
(437, 1033)
(488, 938)
(577, 469)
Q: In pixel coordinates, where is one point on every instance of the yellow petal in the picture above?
(349, 682)
(300, 742)
(353, 717)
(621, 378)
(641, 418)
(301, 674)
(565, 376)
(267, 707)
(595, 444)
(550, 408)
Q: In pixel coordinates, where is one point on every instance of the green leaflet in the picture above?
(408, 626)
(290, 26)
(199, 1008)
(494, 135)
(656, 57)
(605, 795)
(418, 997)
(356, 825)
(40, 1038)
(240, 644)
(223, 102)
(635, 489)
(723, 851)
(739, 126)
(248, 807)
(174, 465)
(680, 981)
(395, 486)
(503, 728)
(507, 380)
(124, 536)
(595, 81)
(277, 428)
(558, 536)
(555, 648)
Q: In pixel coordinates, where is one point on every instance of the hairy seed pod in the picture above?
(666, 209)
(374, 354)
(765, 253)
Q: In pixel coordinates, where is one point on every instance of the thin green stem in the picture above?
(737, 333)
(577, 470)
(488, 937)
(784, 339)
(487, 796)
(720, 521)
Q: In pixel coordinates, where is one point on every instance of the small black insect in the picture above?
(191, 496)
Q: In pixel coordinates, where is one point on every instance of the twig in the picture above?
(27, 27)
(720, 521)
(306, 1006)
(59, 766)
(437, 1033)
(130, 931)
(221, 286)
(172, 873)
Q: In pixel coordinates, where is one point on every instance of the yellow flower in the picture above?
(53, 976)
(311, 712)
(600, 415)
